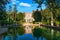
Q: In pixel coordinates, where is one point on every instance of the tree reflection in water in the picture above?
(23, 37)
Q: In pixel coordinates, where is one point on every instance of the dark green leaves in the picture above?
(37, 16)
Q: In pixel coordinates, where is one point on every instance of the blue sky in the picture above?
(23, 5)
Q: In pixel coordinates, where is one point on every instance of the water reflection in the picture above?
(23, 37)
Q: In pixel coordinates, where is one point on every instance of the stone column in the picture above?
(52, 24)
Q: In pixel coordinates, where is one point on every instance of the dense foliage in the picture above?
(37, 16)
(3, 14)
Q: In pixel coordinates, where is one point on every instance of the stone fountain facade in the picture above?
(28, 25)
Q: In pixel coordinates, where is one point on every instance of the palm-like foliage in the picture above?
(39, 2)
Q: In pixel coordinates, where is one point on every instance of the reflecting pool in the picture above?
(23, 37)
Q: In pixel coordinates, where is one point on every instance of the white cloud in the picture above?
(14, 2)
(17, 1)
(25, 4)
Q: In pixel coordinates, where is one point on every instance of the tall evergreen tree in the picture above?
(39, 2)
(37, 16)
(9, 12)
(15, 12)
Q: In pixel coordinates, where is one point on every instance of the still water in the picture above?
(23, 37)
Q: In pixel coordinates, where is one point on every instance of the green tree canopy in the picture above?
(37, 16)
(3, 14)
(20, 16)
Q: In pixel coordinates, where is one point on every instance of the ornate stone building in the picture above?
(29, 23)
(28, 17)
